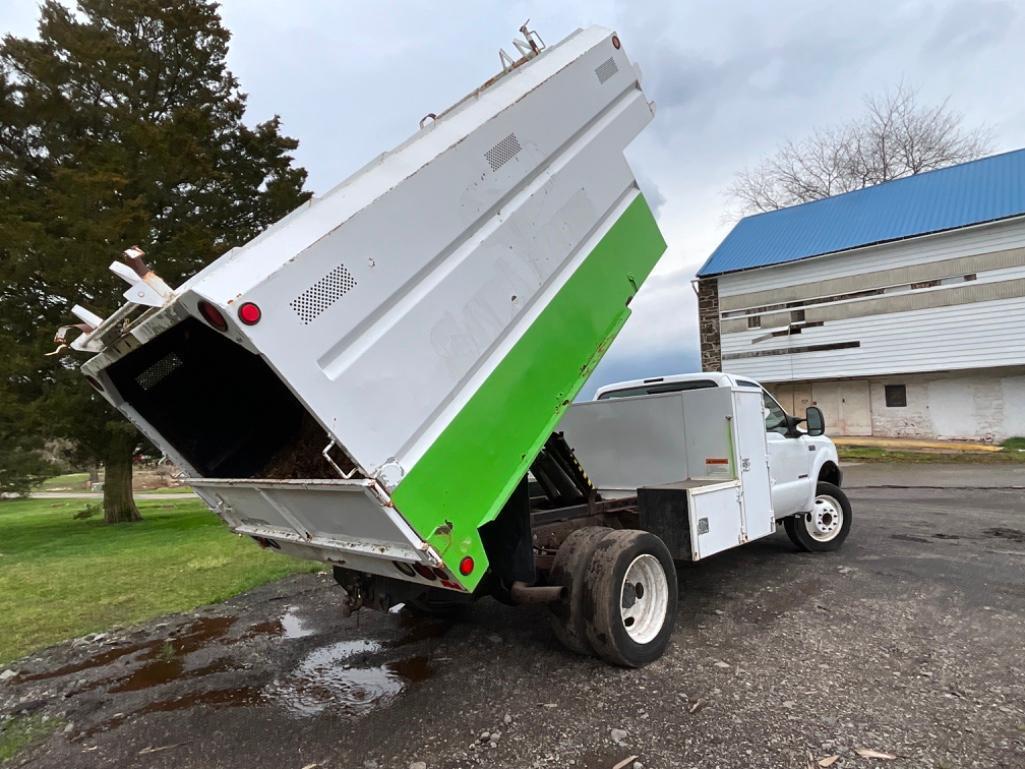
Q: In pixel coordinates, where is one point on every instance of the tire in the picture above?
(569, 570)
(625, 625)
(819, 531)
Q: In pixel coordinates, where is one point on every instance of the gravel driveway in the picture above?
(907, 642)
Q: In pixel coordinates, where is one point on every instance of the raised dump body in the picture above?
(369, 380)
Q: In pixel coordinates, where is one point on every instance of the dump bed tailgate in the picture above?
(344, 516)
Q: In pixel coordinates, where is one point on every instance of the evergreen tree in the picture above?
(119, 125)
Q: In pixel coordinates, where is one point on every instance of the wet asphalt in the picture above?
(908, 642)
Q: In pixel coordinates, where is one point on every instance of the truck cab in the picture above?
(798, 459)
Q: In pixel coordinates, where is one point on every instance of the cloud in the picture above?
(969, 26)
(652, 194)
(730, 81)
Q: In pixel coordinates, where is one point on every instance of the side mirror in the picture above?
(814, 420)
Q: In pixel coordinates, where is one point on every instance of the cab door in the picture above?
(790, 458)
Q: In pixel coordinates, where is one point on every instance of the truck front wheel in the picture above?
(828, 523)
(630, 598)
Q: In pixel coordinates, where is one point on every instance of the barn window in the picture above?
(796, 316)
(754, 321)
(896, 396)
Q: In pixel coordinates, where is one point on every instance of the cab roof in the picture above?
(717, 377)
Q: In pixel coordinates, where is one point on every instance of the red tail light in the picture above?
(466, 566)
(212, 316)
(249, 313)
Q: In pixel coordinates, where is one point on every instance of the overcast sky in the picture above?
(731, 80)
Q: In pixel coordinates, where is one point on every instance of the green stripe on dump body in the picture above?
(469, 472)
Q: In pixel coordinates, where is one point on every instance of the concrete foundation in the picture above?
(981, 405)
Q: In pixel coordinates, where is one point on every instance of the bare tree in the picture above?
(894, 138)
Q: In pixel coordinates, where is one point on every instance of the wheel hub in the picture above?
(825, 521)
(644, 598)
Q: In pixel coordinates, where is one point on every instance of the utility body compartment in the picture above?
(697, 461)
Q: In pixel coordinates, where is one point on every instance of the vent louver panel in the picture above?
(503, 152)
(159, 371)
(606, 69)
(322, 294)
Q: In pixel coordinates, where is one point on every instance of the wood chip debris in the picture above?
(697, 706)
(625, 762)
(869, 753)
(827, 761)
(147, 751)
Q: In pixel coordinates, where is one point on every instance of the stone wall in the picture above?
(708, 324)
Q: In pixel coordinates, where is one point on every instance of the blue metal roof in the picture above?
(971, 193)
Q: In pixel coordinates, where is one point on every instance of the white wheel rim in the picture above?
(825, 520)
(644, 599)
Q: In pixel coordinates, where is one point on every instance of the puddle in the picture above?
(346, 679)
(166, 651)
(329, 679)
(217, 698)
(167, 671)
(293, 626)
(224, 698)
(288, 626)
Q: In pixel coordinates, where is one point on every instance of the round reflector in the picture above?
(249, 313)
(212, 316)
(466, 566)
(615, 42)
(425, 571)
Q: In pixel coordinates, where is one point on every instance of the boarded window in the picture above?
(896, 396)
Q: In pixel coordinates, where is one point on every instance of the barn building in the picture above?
(898, 309)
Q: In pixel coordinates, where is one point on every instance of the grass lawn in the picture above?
(1014, 444)
(61, 578)
(70, 482)
(876, 454)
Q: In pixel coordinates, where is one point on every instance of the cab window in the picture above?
(775, 417)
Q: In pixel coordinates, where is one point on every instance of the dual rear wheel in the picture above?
(620, 597)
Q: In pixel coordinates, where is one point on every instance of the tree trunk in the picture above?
(118, 503)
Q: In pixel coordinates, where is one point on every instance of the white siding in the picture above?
(930, 248)
(966, 336)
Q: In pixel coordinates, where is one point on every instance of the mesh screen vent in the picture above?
(503, 152)
(606, 69)
(159, 371)
(322, 294)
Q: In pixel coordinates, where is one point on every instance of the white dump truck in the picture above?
(377, 381)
